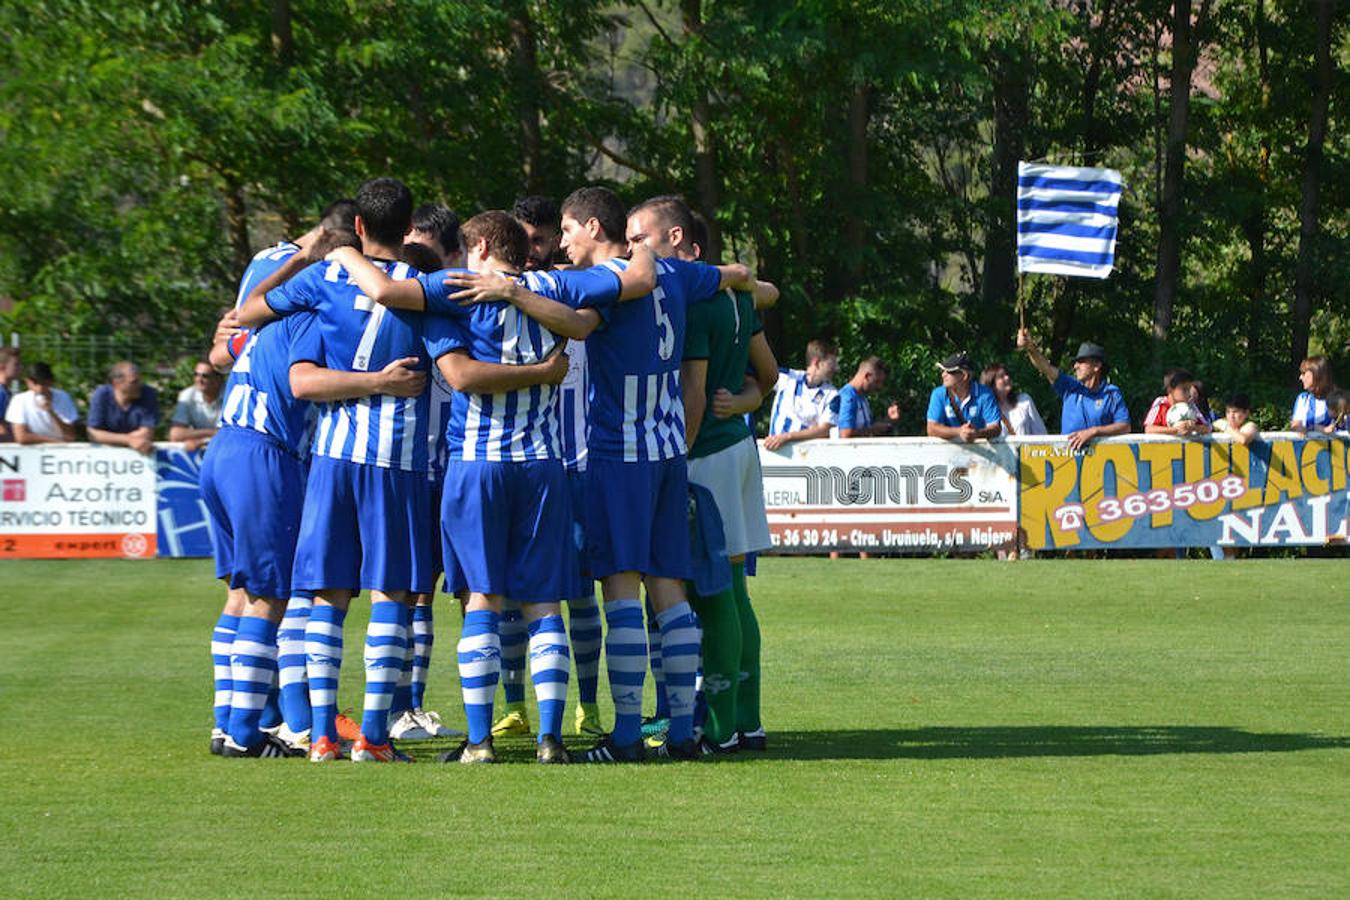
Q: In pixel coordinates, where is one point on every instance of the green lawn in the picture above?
(948, 728)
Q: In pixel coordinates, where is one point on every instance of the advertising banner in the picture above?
(1141, 491)
(182, 523)
(900, 495)
(76, 500)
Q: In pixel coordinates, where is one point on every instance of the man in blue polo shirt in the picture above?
(124, 412)
(962, 409)
(1093, 407)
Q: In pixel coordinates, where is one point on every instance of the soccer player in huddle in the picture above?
(294, 705)
(540, 218)
(252, 481)
(637, 482)
(364, 524)
(506, 518)
(724, 341)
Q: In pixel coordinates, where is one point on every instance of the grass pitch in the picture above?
(948, 728)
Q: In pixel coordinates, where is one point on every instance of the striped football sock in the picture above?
(424, 636)
(626, 656)
(480, 667)
(291, 665)
(253, 664)
(386, 641)
(514, 639)
(548, 672)
(221, 639)
(323, 662)
(681, 639)
(654, 660)
(587, 638)
(403, 692)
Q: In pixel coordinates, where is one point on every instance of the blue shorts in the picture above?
(453, 582)
(364, 528)
(254, 489)
(585, 584)
(637, 517)
(508, 527)
(434, 508)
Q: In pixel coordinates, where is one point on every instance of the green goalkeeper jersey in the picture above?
(719, 330)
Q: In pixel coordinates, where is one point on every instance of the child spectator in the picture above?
(1237, 421)
(1176, 412)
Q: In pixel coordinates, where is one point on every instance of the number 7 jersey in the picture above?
(633, 360)
(359, 335)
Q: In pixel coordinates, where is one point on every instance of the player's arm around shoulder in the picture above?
(638, 278)
(256, 310)
(471, 376)
(378, 286)
(311, 381)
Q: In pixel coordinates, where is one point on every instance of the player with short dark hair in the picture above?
(366, 508)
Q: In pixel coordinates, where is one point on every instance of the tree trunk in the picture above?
(1305, 268)
(999, 285)
(529, 89)
(855, 226)
(1169, 232)
(1254, 226)
(1065, 306)
(236, 223)
(283, 39)
(705, 147)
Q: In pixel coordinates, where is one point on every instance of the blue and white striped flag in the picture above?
(1066, 219)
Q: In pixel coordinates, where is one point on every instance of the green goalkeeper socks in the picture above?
(747, 694)
(721, 661)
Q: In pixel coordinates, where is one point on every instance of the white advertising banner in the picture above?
(76, 500)
(891, 495)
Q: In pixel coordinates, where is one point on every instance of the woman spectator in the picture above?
(1018, 411)
(1310, 408)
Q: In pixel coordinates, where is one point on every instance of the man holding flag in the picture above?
(1093, 407)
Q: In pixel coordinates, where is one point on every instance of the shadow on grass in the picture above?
(1001, 742)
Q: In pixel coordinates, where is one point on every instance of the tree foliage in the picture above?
(861, 153)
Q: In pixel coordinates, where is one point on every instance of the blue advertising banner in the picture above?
(184, 529)
(1141, 491)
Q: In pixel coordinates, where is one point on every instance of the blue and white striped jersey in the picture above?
(360, 335)
(573, 399)
(441, 398)
(264, 263)
(798, 406)
(636, 411)
(516, 426)
(1310, 411)
(258, 393)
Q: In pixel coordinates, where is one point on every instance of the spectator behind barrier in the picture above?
(43, 414)
(803, 400)
(1338, 405)
(851, 409)
(1237, 421)
(1092, 406)
(1018, 411)
(9, 371)
(124, 412)
(1310, 407)
(198, 410)
(962, 409)
(1177, 412)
